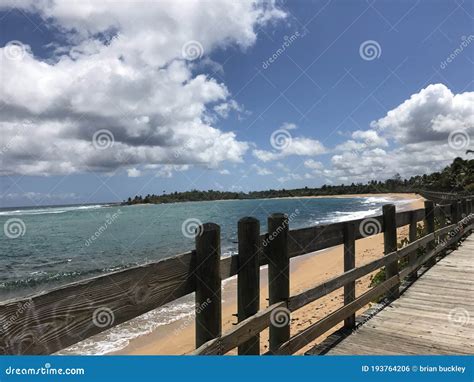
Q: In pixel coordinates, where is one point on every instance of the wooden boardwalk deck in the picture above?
(434, 316)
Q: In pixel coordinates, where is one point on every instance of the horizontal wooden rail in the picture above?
(306, 240)
(62, 317)
(440, 248)
(310, 295)
(314, 331)
(241, 333)
(311, 239)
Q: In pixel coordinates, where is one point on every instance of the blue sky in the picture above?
(295, 71)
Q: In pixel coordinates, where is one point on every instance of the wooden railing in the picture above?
(50, 321)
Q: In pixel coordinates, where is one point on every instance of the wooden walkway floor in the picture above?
(435, 315)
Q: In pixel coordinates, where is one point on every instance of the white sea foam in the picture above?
(340, 216)
(120, 336)
(49, 210)
(377, 199)
(367, 202)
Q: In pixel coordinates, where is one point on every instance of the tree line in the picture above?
(458, 177)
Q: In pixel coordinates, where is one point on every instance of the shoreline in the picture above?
(177, 337)
(394, 195)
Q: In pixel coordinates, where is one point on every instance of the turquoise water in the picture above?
(54, 245)
(41, 248)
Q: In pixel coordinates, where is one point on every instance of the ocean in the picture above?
(46, 247)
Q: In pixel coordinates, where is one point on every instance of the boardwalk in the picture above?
(434, 316)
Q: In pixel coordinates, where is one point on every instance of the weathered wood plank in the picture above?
(314, 331)
(349, 263)
(241, 333)
(248, 282)
(390, 245)
(405, 217)
(426, 257)
(208, 301)
(311, 239)
(310, 295)
(48, 322)
(421, 321)
(278, 274)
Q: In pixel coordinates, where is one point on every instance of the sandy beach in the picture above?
(306, 271)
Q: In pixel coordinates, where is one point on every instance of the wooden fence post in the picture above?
(454, 212)
(442, 216)
(430, 228)
(278, 276)
(469, 209)
(442, 223)
(390, 245)
(464, 207)
(412, 232)
(349, 263)
(248, 278)
(459, 209)
(208, 283)
(454, 220)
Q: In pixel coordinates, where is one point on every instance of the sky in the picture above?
(104, 100)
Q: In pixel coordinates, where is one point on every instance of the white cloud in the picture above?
(313, 165)
(166, 171)
(261, 170)
(296, 146)
(224, 172)
(429, 115)
(289, 177)
(362, 140)
(39, 197)
(282, 167)
(420, 126)
(370, 138)
(123, 70)
(288, 126)
(133, 173)
(223, 109)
